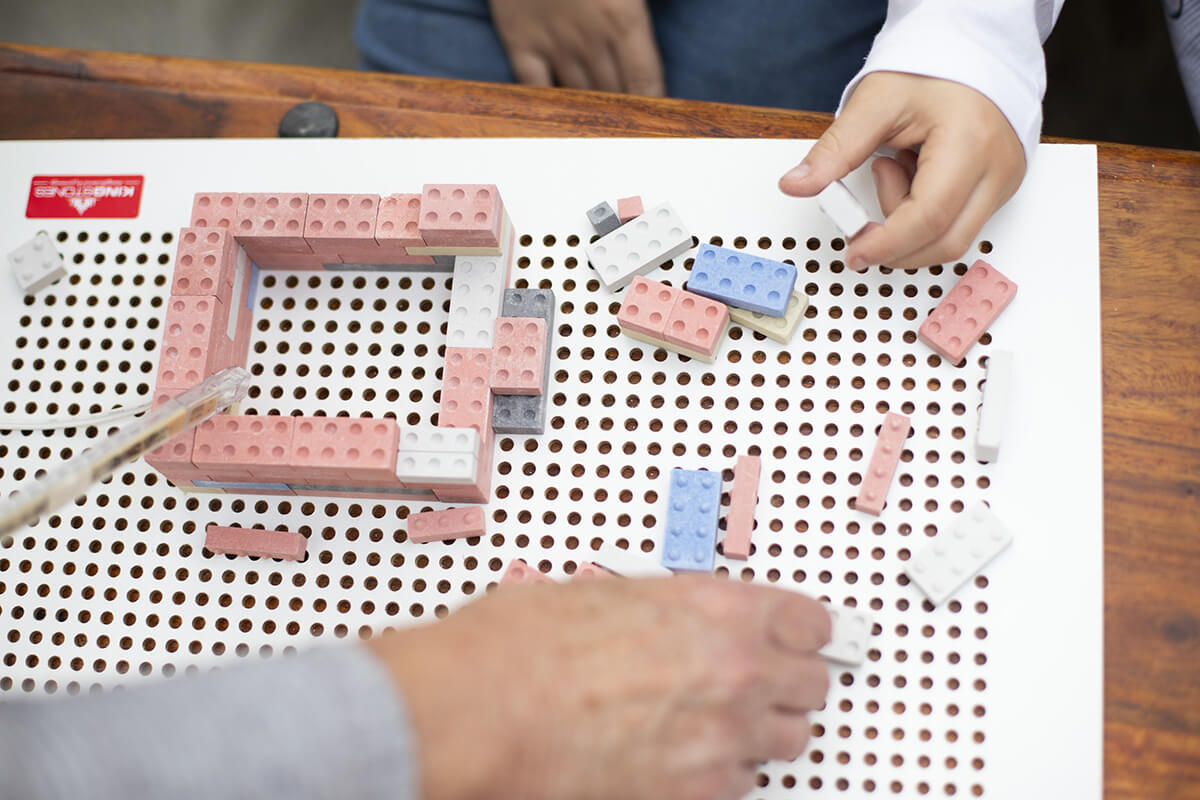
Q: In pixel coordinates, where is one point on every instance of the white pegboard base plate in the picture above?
(950, 701)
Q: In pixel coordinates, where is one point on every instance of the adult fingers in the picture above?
(531, 69)
(782, 735)
(867, 121)
(798, 684)
(638, 59)
(947, 173)
(602, 64)
(796, 623)
(571, 73)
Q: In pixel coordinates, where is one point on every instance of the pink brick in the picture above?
(194, 343)
(696, 323)
(257, 447)
(518, 355)
(399, 221)
(466, 393)
(205, 262)
(214, 210)
(587, 569)
(874, 488)
(629, 208)
(647, 306)
(442, 526)
(251, 542)
(478, 492)
(173, 458)
(964, 314)
(336, 449)
(271, 229)
(520, 572)
(461, 215)
(337, 222)
(739, 521)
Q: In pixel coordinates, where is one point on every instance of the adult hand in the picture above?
(583, 44)
(971, 162)
(611, 688)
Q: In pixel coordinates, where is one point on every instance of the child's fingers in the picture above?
(955, 242)
(947, 174)
(892, 183)
(866, 122)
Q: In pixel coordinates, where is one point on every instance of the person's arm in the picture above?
(961, 81)
(325, 724)
(642, 690)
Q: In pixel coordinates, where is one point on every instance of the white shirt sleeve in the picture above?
(993, 46)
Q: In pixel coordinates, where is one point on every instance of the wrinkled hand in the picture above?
(971, 162)
(583, 44)
(611, 688)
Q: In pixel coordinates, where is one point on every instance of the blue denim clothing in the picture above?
(783, 53)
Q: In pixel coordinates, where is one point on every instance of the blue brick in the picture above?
(742, 280)
(693, 505)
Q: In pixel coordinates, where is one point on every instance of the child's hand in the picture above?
(583, 44)
(970, 163)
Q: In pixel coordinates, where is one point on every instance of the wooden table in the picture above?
(1150, 293)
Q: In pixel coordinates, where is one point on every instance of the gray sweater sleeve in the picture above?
(325, 724)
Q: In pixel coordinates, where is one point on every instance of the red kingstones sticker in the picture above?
(84, 196)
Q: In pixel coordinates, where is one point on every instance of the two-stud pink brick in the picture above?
(965, 313)
(872, 493)
(519, 356)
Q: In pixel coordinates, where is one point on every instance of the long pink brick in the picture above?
(251, 542)
(245, 448)
(337, 223)
(739, 521)
(195, 343)
(205, 262)
(646, 306)
(443, 526)
(520, 572)
(466, 400)
(461, 215)
(519, 356)
(874, 488)
(344, 450)
(964, 314)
